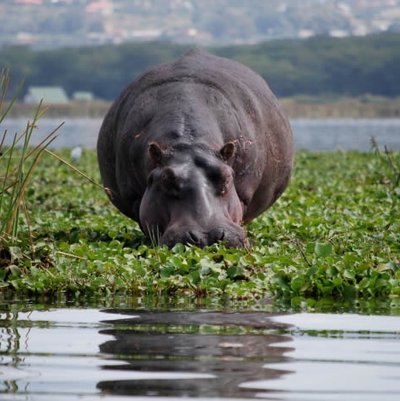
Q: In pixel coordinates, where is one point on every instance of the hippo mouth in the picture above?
(233, 236)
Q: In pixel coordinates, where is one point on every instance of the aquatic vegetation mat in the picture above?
(334, 233)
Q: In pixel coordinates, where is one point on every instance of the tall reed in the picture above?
(18, 160)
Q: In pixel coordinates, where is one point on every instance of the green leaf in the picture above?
(16, 253)
(167, 272)
(322, 250)
(235, 272)
(195, 277)
(297, 284)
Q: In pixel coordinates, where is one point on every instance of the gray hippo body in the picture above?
(194, 148)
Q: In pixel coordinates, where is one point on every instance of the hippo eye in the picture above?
(224, 188)
(220, 180)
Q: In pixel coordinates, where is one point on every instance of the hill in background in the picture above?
(321, 66)
(60, 23)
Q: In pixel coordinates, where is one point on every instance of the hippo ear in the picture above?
(227, 151)
(155, 152)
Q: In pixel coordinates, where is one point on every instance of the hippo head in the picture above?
(190, 196)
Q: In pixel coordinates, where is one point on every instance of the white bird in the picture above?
(76, 154)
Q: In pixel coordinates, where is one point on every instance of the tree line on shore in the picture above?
(350, 66)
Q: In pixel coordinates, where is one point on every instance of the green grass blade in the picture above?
(5, 184)
(74, 168)
(23, 181)
(5, 79)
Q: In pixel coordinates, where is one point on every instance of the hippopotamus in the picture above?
(195, 148)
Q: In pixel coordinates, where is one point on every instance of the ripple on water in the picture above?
(89, 354)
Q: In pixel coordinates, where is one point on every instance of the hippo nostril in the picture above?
(231, 236)
(193, 237)
(217, 235)
(234, 237)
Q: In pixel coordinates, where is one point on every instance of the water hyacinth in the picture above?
(333, 234)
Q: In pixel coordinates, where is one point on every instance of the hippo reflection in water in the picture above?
(194, 148)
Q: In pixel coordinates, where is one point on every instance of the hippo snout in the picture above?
(233, 236)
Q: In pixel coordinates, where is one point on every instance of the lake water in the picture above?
(311, 134)
(123, 354)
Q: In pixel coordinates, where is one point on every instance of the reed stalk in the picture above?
(18, 161)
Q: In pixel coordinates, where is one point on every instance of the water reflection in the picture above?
(87, 354)
(10, 344)
(211, 353)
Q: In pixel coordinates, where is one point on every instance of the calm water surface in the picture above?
(120, 354)
(312, 134)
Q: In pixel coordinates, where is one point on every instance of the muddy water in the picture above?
(120, 354)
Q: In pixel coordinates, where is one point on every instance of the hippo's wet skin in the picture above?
(194, 148)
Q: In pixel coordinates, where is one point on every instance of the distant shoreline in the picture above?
(295, 107)
(341, 107)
